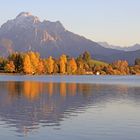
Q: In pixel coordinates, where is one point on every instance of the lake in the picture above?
(69, 107)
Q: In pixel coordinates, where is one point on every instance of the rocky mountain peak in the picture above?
(26, 17)
(24, 14)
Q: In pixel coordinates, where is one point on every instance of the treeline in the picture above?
(32, 63)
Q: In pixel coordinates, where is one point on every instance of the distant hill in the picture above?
(127, 48)
(26, 32)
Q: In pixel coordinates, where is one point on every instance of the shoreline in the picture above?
(130, 80)
(58, 74)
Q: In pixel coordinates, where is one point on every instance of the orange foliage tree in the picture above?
(10, 67)
(121, 66)
(41, 67)
(71, 66)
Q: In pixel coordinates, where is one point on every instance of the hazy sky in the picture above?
(114, 21)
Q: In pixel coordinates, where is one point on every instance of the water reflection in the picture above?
(27, 105)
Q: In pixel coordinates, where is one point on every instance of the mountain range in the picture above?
(27, 33)
(124, 48)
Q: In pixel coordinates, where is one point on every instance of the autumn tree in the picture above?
(34, 58)
(71, 66)
(9, 67)
(41, 67)
(27, 65)
(135, 70)
(56, 67)
(121, 66)
(63, 62)
(50, 65)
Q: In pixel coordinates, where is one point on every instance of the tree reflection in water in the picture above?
(28, 105)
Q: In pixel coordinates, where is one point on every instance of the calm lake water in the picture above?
(69, 107)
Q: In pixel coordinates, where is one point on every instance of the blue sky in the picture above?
(114, 21)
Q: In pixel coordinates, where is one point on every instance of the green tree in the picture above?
(17, 58)
(3, 62)
(86, 56)
(137, 61)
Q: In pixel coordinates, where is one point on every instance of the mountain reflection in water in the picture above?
(27, 105)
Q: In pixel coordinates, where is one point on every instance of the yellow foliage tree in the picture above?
(27, 66)
(50, 65)
(63, 62)
(41, 68)
(34, 57)
(72, 66)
